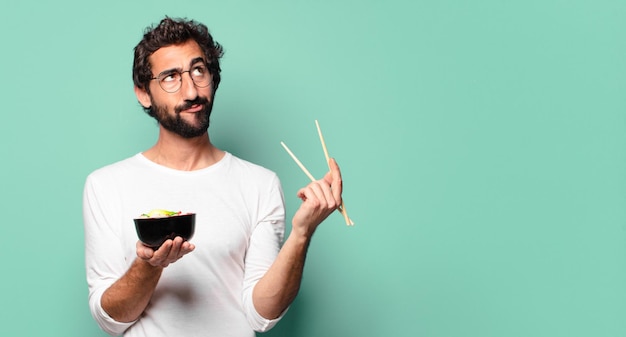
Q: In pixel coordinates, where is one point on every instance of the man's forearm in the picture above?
(281, 283)
(128, 297)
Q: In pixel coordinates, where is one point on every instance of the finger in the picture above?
(175, 253)
(302, 193)
(329, 198)
(315, 196)
(144, 252)
(337, 182)
(161, 254)
(324, 193)
(187, 247)
(321, 189)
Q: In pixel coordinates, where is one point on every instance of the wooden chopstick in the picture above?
(342, 207)
(298, 162)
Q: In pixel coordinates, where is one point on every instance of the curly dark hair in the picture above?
(172, 32)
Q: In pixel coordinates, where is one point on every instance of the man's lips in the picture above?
(193, 109)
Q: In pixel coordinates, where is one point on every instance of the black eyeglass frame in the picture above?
(170, 72)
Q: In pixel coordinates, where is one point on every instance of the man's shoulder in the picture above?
(252, 173)
(121, 166)
(250, 167)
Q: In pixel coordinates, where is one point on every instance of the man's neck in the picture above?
(185, 154)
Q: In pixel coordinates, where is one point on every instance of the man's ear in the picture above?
(143, 97)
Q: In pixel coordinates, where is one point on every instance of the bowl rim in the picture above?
(165, 217)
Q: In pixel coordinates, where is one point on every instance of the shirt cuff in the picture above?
(263, 324)
(106, 322)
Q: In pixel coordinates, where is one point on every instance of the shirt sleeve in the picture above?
(265, 243)
(104, 260)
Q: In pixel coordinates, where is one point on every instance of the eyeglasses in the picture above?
(171, 80)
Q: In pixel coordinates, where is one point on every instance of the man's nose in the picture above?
(188, 88)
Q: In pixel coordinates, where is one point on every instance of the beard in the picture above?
(181, 127)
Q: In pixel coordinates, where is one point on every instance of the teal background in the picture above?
(482, 145)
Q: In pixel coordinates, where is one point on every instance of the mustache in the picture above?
(188, 104)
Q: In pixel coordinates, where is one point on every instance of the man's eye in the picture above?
(199, 71)
(170, 78)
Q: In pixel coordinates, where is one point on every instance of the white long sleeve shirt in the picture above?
(240, 224)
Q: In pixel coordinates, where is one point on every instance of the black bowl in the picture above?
(154, 231)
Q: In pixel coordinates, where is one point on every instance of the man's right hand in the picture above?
(169, 252)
